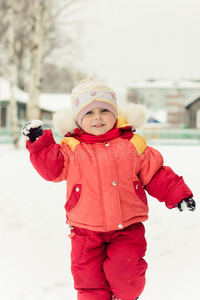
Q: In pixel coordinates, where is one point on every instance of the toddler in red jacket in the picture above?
(107, 168)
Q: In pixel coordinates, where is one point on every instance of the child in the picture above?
(107, 167)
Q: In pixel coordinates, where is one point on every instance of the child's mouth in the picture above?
(98, 125)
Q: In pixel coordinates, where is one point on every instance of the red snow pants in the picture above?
(109, 264)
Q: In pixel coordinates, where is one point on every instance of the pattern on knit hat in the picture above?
(89, 94)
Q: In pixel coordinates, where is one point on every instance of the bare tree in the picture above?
(32, 30)
(12, 71)
(37, 35)
(3, 29)
(43, 39)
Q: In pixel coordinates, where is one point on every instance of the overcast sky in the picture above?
(124, 40)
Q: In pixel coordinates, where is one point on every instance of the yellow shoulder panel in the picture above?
(71, 142)
(121, 122)
(139, 143)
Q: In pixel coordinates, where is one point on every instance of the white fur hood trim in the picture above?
(134, 114)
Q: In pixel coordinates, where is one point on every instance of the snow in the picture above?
(54, 101)
(31, 124)
(165, 84)
(20, 95)
(35, 249)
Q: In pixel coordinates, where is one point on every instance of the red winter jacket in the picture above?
(105, 180)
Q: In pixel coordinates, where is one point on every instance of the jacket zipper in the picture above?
(100, 189)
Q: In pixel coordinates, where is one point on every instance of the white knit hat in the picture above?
(90, 94)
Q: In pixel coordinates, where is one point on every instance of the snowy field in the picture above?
(35, 249)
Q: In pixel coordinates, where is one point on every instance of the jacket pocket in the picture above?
(140, 191)
(74, 198)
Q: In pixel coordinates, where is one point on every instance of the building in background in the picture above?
(48, 103)
(193, 112)
(21, 99)
(169, 95)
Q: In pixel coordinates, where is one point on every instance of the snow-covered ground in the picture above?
(35, 249)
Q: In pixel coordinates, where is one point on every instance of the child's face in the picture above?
(98, 121)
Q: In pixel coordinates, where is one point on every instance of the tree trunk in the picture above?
(12, 74)
(37, 41)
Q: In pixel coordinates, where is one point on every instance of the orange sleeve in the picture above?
(150, 162)
(66, 155)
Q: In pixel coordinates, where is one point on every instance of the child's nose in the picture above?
(98, 116)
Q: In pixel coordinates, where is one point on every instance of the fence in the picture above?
(171, 136)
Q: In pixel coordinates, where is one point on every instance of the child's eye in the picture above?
(89, 112)
(104, 110)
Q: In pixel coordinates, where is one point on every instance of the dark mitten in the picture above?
(187, 204)
(33, 129)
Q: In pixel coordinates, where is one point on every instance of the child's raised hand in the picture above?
(33, 129)
(187, 204)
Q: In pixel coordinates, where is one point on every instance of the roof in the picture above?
(47, 101)
(20, 95)
(165, 84)
(192, 100)
(53, 101)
